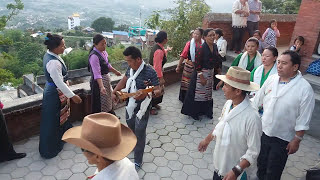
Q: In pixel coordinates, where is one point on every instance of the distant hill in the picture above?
(53, 14)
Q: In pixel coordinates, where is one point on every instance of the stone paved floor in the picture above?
(170, 153)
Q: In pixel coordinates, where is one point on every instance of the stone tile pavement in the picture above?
(170, 153)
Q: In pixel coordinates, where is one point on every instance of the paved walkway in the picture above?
(170, 153)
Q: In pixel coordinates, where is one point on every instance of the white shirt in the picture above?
(238, 20)
(119, 170)
(287, 107)
(54, 68)
(222, 46)
(245, 128)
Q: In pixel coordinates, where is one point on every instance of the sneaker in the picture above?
(137, 166)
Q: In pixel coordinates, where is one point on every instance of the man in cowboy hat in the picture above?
(137, 77)
(105, 142)
(288, 102)
(238, 132)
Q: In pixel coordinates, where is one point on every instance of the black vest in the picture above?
(103, 64)
(153, 50)
(48, 57)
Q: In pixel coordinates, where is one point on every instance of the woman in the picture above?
(158, 57)
(251, 58)
(55, 103)
(198, 100)
(188, 54)
(269, 66)
(99, 67)
(222, 49)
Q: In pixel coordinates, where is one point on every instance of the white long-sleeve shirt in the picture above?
(245, 128)
(222, 46)
(54, 68)
(239, 20)
(287, 107)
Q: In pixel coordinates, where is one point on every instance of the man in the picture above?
(240, 13)
(7, 152)
(288, 102)
(238, 132)
(105, 142)
(255, 7)
(138, 107)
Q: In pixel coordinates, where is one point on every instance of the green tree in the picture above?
(186, 16)
(103, 24)
(14, 10)
(5, 76)
(30, 52)
(281, 6)
(122, 27)
(76, 59)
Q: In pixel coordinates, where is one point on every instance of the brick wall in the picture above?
(286, 25)
(308, 26)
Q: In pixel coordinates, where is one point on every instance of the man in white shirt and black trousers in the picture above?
(287, 101)
(238, 132)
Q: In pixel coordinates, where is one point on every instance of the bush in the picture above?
(76, 59)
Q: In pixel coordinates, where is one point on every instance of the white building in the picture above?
(73, 21)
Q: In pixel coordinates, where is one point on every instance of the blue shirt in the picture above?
(254, 5)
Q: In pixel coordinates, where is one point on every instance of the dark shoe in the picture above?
(15, 156)
(196, 118)
(157, 107)
(137, 166)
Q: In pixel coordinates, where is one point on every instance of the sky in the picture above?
(219, 6)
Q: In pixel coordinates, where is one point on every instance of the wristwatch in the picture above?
(237, 170)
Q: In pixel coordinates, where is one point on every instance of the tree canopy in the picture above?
(103, 24)
(281, 6)
(181, 20)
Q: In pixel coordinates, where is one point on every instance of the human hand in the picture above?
(293, 146)
(219, 85)
(203, 145)
(114, 98)
(162, 81)
(76, 99)
(140, 95)
(178, 69)
(230, 176)
(103, 91)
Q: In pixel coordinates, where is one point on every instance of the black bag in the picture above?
(313, 174)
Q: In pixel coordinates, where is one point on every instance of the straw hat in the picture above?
(102, 134)
(239, 78)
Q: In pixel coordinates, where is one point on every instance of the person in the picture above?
(271, 34)
(7, 152)
(269, 66)
(137, 77)
(238, 132)
(287, 102)
(198, 100)
(240, 12)
(255, 7)
(55, 103)
(188, 55)
(158, 57)
(262, 44)
(99, 67)
(298, 42)
(105, 142)
(251, 58)
(222, 49)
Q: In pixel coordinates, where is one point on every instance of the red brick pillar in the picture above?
(308, 26)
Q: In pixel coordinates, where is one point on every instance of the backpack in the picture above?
(314, 68)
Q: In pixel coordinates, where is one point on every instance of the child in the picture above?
(298, 42)
(262, 44)
(271, 34)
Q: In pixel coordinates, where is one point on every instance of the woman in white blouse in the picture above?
(221, 43)
(55, 103)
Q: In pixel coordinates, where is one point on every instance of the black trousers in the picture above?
(139, 129)
(237, 37)
(216, 176)
(6, 147)
(272, 158)
(252, 26)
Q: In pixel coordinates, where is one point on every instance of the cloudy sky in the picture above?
(216, 5)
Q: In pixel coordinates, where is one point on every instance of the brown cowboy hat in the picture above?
(239, 78)
(104, 135)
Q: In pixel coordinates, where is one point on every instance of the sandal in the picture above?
(153, 111)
